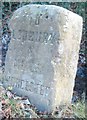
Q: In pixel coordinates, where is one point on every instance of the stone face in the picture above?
(42, 58)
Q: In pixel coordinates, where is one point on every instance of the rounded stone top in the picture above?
(43, 11)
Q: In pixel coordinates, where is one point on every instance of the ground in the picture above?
(12, 106)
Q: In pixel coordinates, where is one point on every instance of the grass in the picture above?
(75, 110)
(79, 109)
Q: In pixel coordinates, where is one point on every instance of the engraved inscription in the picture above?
(36, 36)
(31, 86)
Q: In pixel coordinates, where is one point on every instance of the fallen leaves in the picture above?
(7, 112)
(12, 106)
(9, 94)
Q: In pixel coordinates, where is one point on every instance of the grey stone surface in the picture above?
(42, 58)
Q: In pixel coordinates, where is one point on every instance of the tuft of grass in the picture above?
(15, 111)
(79, 108)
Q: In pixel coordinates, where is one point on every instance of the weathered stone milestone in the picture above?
(42, 58)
